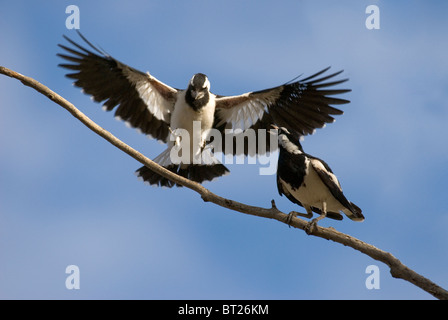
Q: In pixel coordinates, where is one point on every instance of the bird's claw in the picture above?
(311, 226)
(291, 215)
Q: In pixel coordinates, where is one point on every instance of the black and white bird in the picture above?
(309, 182)
(157, 109)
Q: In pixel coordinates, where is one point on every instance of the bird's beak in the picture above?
(274, 126)
(197, 94)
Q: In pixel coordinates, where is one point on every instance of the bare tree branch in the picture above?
(397, 269)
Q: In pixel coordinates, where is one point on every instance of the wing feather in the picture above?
(330, 180)
(301, 106)
(140, 99)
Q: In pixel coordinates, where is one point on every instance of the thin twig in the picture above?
(397, 269)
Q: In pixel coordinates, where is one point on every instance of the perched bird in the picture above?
(158, 110)
(309, 182)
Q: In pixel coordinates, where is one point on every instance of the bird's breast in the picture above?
(312, 191)
(195, 123)
(184, 115)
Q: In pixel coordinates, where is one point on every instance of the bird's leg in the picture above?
(309, 228)
(205, 150)
(308, 215)
(203, 145)
(175, 135)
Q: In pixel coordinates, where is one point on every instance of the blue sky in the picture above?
(67, 197)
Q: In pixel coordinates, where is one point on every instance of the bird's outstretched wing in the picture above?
(300, 106)
(143, 101)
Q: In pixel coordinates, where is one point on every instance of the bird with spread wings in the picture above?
(157, 109)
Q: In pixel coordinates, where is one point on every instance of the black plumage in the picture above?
(309, 182)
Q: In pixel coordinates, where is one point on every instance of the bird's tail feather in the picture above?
(354, 213)
(330, 214)
(196, 172)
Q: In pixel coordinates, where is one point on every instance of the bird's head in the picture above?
(198, 91)
(287, 140)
